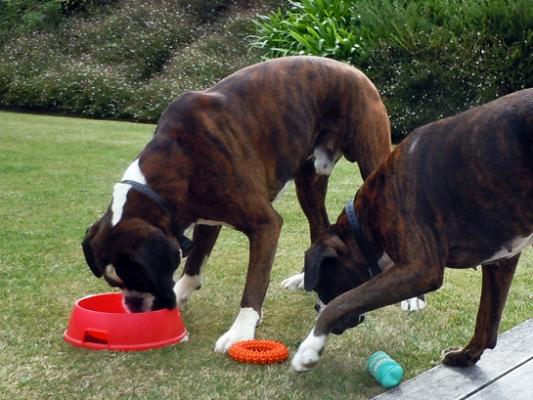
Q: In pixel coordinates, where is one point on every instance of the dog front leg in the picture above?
(263, 242)
(399, 282)
(497, 279)
(204, 238)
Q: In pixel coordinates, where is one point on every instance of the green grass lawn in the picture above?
(56, 177)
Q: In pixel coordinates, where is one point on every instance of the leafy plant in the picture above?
(316, 27)
(428, 58)
(127, 63)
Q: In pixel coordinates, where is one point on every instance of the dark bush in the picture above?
(127, 61)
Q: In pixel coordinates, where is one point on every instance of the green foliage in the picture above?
(18, 16)
(318, 27)
(126, 60)
(429, 58)
(206, 10)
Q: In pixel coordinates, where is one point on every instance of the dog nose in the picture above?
(134, 304)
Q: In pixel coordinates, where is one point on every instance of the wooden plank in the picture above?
(515, 347)
(516, 385)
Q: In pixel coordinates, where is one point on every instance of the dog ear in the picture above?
(330, 247)
(159, 255)
(314, 257)
(95, 266)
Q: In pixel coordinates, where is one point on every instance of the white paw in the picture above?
(308, 354)
(413, 304)
(242, 329)
(294, 282)
(184, 288)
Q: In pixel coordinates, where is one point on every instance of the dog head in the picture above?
(137, 257)
(332, 267)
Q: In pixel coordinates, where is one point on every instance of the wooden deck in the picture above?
(505, 373)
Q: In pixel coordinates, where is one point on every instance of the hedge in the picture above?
(124, 59)
(428, 58)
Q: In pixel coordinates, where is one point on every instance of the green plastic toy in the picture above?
(386, 371)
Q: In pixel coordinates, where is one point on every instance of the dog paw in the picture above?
(413, 304)
(308, 354)
(242, 329)
(184, 287)
(459, 358)
(294, 282)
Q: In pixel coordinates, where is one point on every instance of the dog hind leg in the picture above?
(497, 279)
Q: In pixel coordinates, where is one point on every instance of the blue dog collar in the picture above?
(362, 241)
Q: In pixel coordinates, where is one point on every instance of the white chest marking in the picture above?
(120, 190)
(323, 163)
(511, 249)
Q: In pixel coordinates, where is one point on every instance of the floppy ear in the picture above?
(159, 255)
(330, 247)
(314, 257)
(95, 266)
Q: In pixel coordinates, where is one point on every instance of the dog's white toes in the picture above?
(304, 360)
(308, 354)
(229, 339)
(242, 329)
(294, 282)
(413, 304)
(184, 288)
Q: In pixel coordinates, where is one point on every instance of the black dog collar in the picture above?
(184, 241)
(362, 241)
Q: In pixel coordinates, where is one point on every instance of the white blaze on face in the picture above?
(146, 300)
(120, 190)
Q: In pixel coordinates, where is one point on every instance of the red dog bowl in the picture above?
(101, 322)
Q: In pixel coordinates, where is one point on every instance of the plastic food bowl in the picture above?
(101, 322)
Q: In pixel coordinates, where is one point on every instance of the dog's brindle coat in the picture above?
(456, 193)
(220, 156)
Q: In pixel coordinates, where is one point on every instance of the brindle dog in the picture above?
(456, 193)
(220, 156)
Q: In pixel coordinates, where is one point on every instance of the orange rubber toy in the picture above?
(258, 351)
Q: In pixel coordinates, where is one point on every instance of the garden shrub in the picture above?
(318, 27)
(127, 61)
(428, 58)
